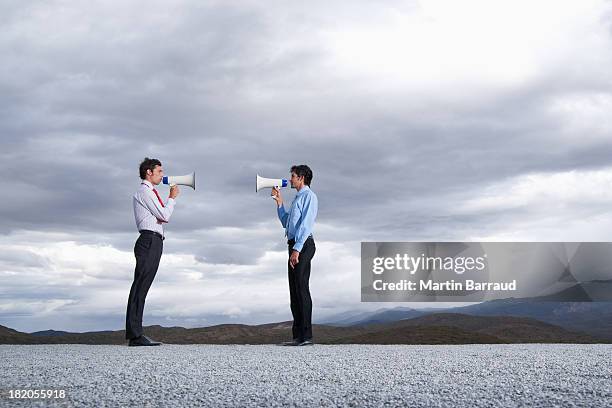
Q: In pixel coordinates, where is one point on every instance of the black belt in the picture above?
(152, 233)
(292, 241)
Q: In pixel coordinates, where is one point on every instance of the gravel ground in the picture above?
(334, 375)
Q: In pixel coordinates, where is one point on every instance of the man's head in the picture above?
(300, 175)
(151, 170)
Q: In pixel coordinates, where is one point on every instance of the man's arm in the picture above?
(149, 199)
(283, 215)
(309, 214)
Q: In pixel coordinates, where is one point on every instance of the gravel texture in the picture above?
(333, 375)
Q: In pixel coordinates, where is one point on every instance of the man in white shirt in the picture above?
(150, 213)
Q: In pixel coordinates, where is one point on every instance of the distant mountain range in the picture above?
(378, 316)
(593, 318)
(497, 321)
(428, 328)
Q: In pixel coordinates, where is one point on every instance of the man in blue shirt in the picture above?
(298, 223)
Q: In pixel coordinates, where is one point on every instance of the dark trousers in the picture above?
(299, 291)
(148, 251)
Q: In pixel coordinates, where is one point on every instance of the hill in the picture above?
(437, 328)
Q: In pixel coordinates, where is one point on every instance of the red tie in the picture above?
(159, 198)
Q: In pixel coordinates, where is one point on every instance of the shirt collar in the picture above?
(148, 183)
(303, 190)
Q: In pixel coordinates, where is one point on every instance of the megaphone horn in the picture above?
(186, 180)
(263, 182)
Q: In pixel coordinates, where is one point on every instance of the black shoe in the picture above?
(143, 341)
(293, 342)
(307, 342)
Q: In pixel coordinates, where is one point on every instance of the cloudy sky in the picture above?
(422, 120)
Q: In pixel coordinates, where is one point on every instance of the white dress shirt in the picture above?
(149, 212)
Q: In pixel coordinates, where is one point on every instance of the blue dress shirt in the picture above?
(299, 221)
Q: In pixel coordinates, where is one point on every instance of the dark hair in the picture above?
(148, 164)
(303, 170)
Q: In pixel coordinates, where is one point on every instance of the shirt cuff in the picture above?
(298, 246)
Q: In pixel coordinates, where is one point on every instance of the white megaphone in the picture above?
(186, 180)
(263, 182)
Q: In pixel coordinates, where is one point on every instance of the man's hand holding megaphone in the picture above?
(276, 195)
(174, 191)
